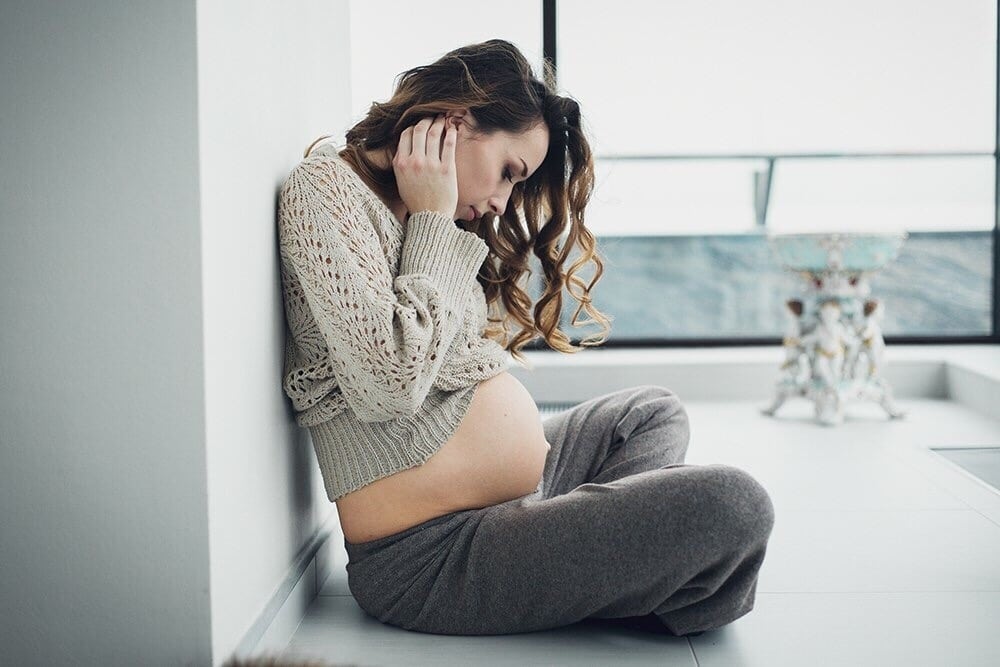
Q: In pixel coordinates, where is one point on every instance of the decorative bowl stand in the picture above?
(834, 349)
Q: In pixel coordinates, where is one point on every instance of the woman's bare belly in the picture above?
(496, 454)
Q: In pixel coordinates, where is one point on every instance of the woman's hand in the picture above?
(425, 167)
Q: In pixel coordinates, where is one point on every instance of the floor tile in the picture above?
(889, 550)
(337, 630)
(336, 583)
(858, 630)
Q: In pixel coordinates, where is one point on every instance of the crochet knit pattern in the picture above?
(384, 345)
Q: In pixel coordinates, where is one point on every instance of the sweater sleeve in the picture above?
(386, 334)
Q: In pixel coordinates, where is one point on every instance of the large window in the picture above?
(715, 123)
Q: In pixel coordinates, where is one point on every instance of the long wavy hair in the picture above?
(495, 82)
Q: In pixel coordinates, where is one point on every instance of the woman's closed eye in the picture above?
(507, 174)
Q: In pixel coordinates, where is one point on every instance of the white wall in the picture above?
(271, 78)
(153, 485)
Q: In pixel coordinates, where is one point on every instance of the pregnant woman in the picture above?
(462, 511)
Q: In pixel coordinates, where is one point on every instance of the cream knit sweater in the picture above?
(384, 347)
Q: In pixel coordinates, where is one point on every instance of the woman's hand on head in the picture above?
(424, 165)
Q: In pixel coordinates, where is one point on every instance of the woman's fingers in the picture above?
(423, 148)
(405, 143)
(429, 137)
(420, 137)
(411, 140)
(448, 150)
(434, 138)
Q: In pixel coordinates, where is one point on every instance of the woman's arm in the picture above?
(386, 335)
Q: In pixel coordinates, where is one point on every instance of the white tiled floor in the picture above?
(882, 552)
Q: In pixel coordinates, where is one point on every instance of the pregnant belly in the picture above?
(496, 454)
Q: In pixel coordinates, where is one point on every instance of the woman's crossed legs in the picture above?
(620, 527)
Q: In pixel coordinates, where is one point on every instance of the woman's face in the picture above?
(489, 166)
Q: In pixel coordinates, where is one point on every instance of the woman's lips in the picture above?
(473, 213)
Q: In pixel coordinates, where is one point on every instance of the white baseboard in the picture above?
(275, 626)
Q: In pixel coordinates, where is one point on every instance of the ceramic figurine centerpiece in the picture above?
(834, 349)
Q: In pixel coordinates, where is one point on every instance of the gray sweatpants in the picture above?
(619, 527)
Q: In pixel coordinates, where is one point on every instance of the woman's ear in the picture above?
(458, 117)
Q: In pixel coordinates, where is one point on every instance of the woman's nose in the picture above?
(498, 205)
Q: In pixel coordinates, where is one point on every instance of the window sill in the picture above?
(968, 374)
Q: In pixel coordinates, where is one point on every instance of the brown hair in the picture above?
(495, 82)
